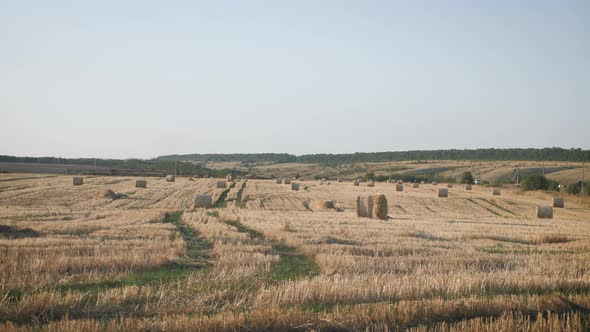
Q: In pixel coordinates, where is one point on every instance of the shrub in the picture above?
(538, 182)
(467, 178)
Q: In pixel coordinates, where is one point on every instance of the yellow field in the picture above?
(267, 261)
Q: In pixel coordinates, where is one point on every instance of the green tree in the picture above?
(467, 177)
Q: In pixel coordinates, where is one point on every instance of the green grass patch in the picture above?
(254, 234)
(220, 202)
(240, 192)
(291, 264)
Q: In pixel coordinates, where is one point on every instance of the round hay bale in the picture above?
(230, 178)
(286, 181)
(558, 202)
(278, 181)
(544, 212)
(364, 206)
(400, 181)
(496, 192)
(434, 183)
(370, 184)
(140, 183)
(322, 205)
(295, 186)
(202, 201)
(422, 182)
(356, 183)
(443, 192)
(415, 185)
(399, 187)
(339, 179)
(449, 185)
(467, 187)
(379, 206)
(170, 178)
(221, 184)
(78, 180)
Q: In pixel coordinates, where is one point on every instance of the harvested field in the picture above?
(73, 260)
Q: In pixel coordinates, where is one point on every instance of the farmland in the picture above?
(71, 259)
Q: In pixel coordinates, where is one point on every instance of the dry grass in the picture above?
(465, 263)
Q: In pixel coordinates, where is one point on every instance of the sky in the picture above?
(123, 79)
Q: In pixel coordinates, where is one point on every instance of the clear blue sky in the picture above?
(145, 78)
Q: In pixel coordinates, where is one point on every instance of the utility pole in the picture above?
(582, 176)
(175, 167)
(94, 166)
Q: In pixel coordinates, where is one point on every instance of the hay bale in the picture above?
(415, 185)
(322, 205)
(221, 184)
(78, 180)
(230, 178)
(400, 181)
(170, 178)
(467, 187)
(370, 184)
(339, 179)
(286, 181)
(356, 183)
(279, 181)
(443, 192)
(434, 183)
(379, 206)
(422, 182)
(449, 185)
(364, 206)
(399, 187)
(558, 202)
(295, 186)
(496, 192)
(202, 201)
(544, 212)
(140, 183)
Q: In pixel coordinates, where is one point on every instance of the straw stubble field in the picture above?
(73, 260)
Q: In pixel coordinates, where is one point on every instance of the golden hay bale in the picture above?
(322, 205)
(467, 187)
(356, 183)
(339, 179)
(434, 183)
(558, 202)
(400, 181)
(170, 178)
(399, 187)
(364, 206)
(202, 201)
(496, 192)
(221, 184)
(422, 182)
(370, 184)
(449, 185)
(140, 183)
(415, 185)
(295, 186)
(443, 192)
(286, 181)
(544, 212)
(78, 180)
(230, 178)
(379, 206)
(279, 181)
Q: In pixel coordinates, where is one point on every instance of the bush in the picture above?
(381, 178)
(576, 189)
(538, 182)
(369, 176)
(467, 178)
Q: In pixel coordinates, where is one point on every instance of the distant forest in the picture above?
(166, 163)
(546, 154)
(242, 157)
(163, 166)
